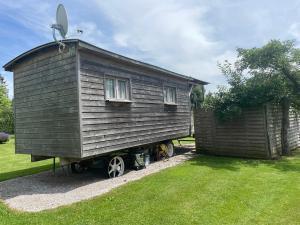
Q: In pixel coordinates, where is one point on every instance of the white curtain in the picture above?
(110, 88)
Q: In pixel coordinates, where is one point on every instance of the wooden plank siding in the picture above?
(60, 107)
(243, 137)
(274, 126)
(108, 126)
(274, 116)
(293, 131)
(46, 104)
(256, 134)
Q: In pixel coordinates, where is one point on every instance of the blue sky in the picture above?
(188, 37)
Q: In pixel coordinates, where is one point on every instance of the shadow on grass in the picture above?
(285, 164)
(24, 172)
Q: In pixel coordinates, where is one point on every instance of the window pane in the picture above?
(110, 88)
(165, 94)
(173, 95)
(122, 89)
(170, 94)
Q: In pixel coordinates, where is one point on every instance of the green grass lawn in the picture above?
(206, 190)
(16, 165)
(187, 140)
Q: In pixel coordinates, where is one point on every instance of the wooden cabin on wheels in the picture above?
(81, 103)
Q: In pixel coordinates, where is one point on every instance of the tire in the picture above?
(77, 168)
(165, 150)
(115, 167)
(170, 151)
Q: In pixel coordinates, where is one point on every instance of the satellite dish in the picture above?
(61, 22)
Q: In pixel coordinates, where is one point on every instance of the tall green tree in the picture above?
(260, 75)
(6, 109)
(197, 96)
(4, 100)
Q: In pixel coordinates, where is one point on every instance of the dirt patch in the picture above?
(47, 190)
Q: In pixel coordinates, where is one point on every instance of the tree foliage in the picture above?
(4, 100)
(259, 75)
(6, 109)
(197, 96)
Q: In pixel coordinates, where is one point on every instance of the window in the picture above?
(110, 88)
(116, 89)
(122, 89)
(170, 95)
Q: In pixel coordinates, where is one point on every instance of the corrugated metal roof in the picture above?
(84, 45)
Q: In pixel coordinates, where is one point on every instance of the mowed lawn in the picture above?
(15, 165)
(206, 190)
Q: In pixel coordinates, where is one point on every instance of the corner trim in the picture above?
(79, 98)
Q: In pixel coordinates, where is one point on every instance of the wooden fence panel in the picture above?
(293, 132)
(243, 137)
(256, 133)
(274, 116)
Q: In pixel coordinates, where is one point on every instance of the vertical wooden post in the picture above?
(285, 123)
(267, 133)
(53, 166)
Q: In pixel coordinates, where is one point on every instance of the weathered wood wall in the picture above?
(256, 134)
(274, 129)
(60, 105)
(293, 132)
(274, 115)
(243, 137)
(108, 126)
(46, 104)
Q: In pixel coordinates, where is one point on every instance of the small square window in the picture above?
(170, 95)
(116, 89)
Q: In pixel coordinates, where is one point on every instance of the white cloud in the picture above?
(294, 30)
(188, 37)
(121, 39)
(170, 33)
(91, 33)
(34, 15)
(38, 16)
(35, 18)
(192, 36)
(228, 55)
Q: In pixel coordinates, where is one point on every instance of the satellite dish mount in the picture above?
(61, 26)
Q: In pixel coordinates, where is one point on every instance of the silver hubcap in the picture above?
(116, 167)
(170, 150)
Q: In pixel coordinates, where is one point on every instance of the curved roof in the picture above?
(9, 66)
(84, 45)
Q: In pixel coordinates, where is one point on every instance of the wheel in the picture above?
(170, 150)
(116, 167)
(162, 151)
(77, 168)
(165, 150)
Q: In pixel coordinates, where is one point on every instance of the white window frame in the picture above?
(166, 87)
(116, 85)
